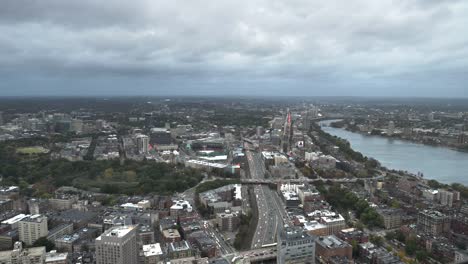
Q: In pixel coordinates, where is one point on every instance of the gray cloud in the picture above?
(359, 47)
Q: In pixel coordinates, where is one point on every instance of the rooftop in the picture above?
(332, 242)
(119, 231)
(15, 219)
(152, 250)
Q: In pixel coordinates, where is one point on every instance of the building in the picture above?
(179, 207)
(62, 204)
(145, 235)
(228, 221)
(204, 243)
(6, 205)
(152, 253)
(295, 246)
(142, 143)
(66, 243)
(446, 198)
(117, 245)
(331, 246)
(433, 222)
(334, 223)
(14, 221)
(76, 125)
(61, 230)
(352, 234)
(391, 128)
(180, 250)
(171, 235)
(18, 255)
(32, 228)
(54, 257)
(391, 217)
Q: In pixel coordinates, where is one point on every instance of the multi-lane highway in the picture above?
(270, 210)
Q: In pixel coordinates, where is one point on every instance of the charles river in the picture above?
(439, 163)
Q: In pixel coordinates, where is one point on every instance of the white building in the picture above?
(153, 253)
(142, 143)
(32, 228)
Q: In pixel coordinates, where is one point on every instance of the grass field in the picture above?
(32, 150)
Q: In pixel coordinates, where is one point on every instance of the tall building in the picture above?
(32, 228)
(295, 246)
(1, 119)
(433, 222)
(391, 128)
(142, 143)
(117, 245)
(18, 255)
(446, 197)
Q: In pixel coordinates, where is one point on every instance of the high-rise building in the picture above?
(295, 246)
(446, 197)
(1, 119)
(117, 245)
(142, 143)
(32, 228)
(391, 128)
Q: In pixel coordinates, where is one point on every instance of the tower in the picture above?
(117, 245)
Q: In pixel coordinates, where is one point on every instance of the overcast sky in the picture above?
(218, 47)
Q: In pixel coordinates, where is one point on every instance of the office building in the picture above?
(32, 228)
(117, 245)
(295, 246)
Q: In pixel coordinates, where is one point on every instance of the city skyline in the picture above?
(261, 48)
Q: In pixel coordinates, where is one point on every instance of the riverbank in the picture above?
(379, 133)
(442, 164)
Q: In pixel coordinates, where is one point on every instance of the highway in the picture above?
(271, 212)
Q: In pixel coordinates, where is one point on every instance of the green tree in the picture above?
(411, 246)
(44, 242)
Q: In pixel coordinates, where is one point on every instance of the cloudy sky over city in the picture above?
(255, 47)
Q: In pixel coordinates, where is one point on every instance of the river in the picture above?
(438, 163)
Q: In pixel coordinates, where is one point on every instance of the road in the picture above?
(223, 246)
(271, 212)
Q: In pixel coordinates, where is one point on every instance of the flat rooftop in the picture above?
(152, 250)
(119, 231)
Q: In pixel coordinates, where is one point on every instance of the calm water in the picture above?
(439, 163)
